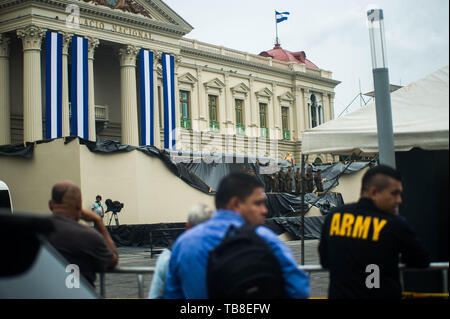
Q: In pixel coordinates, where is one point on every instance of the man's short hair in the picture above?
(369, 179)
(98, 196)
(236, 184)
(58, 192)
(198, 214)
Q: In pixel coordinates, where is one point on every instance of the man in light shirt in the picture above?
(97, 206)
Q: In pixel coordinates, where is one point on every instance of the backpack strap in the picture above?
(230, 230)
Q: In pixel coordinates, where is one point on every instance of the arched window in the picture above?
(315, 112)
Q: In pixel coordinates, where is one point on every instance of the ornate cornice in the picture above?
(114, 16)
(255, 66)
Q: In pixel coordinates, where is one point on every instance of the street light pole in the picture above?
(381, 85)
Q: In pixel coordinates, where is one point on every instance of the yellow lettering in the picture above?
(361, 227)
(346, 226)
(114, 28)
(377, 227)
(335, 223)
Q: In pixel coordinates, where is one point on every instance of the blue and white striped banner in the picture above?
(169, 100)
(146, 72)
(53, 85)
(79, 88)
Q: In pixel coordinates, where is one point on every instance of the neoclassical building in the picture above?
(224, 99)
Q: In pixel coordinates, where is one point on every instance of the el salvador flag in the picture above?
(169, 100)
(53, 79)
(279, 16)
(79, 88)
(146, 72)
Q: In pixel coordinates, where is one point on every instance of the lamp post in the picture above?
(381, 85)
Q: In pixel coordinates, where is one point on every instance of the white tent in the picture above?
(419, 115)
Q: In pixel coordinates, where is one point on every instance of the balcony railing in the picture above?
(240, 129)
(286, 135)
(186, 123)
(264, 132)
(213, 125)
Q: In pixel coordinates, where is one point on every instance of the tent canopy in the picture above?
(419, 115)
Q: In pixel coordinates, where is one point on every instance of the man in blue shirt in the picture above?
(240, 199)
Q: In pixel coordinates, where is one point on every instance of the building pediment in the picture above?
(131, 6)
(187, 78)
(215, 84)
(264, 93)
(155, 12)
(240, 88)
(287, 97)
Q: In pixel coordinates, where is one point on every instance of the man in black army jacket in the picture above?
(361, 242)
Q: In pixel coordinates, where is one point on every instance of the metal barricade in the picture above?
(141, 271)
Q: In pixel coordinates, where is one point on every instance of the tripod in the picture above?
(116, 218)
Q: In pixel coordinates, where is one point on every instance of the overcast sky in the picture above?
(333, 35)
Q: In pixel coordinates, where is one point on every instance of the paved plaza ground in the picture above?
(126, 285)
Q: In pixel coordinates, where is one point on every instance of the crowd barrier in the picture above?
(437, 266)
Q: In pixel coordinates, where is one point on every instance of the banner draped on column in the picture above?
(169, 100)
(53, 79)
(147, 114)
(79, 88)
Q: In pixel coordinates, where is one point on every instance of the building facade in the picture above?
(226, 100)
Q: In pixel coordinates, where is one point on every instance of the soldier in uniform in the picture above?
(318, 181)
(267, 182)
(281, 179)
(288, 179)
(309, 180)
(298, 181)
(276, 182)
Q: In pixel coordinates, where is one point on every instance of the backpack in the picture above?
(244, 266)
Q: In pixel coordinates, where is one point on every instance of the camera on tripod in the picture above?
(114, 207)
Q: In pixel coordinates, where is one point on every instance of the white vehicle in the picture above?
(5, 197)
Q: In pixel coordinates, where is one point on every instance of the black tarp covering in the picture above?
(204, 170)
(139, 235)
(293, 226)
(21, 150)
(283, 204)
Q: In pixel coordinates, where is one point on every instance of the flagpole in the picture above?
(276, 28)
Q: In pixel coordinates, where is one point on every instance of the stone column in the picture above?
(307, 118)
(67, 38)
(331, 111)
(5, 126)
(32, 96)
(254, 124)
(228, 120)
(202, 109)
(273, 124)
(291, 114)
(128, 100)
(92, 44)
(298, 114)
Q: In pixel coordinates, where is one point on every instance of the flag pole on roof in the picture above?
(279, 17)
